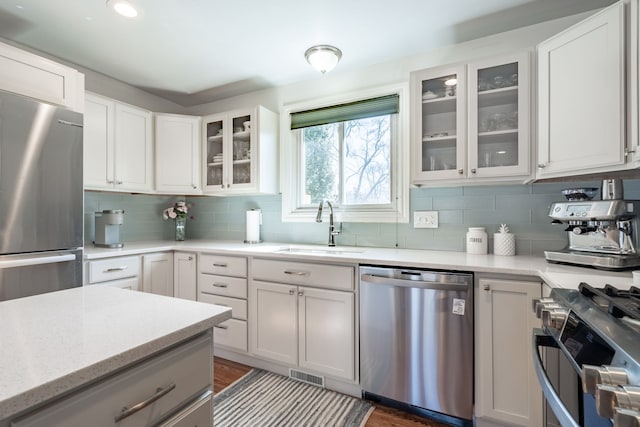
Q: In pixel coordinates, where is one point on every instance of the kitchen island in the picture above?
(53, 346)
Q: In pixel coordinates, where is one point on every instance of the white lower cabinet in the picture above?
(185, 275)
(121, 272)
(301, 326)
(222, 280)
(507, 390)
(157, 273)
(175, 384)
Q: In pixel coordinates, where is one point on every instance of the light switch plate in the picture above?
(425, 219)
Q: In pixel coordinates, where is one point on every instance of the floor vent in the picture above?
(306, 378)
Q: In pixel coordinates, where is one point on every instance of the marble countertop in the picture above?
(555, 275)
(55, 342)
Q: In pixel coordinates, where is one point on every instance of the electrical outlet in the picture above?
(425, 219)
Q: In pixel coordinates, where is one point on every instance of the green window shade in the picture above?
(373, 107)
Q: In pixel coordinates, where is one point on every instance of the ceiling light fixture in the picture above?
(323, 57)
(123, 7)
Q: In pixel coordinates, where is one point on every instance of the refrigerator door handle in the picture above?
(35, 260)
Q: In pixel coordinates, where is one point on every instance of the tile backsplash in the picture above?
(523, 207)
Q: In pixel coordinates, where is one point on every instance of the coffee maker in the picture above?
(602, 233)
(107, 228)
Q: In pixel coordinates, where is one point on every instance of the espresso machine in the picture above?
(602, 233)
(107, 228)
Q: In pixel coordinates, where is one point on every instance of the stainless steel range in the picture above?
(597, 330)
(602, 233)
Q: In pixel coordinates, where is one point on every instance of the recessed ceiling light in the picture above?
(123, 7)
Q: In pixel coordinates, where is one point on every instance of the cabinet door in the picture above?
(177, 154)
(242, 139)
(214, 153)
(581, 95)
(157, 274)
(507, 389)
(98, 142)
(439, 124)
(326, 334)
(273, 329)
(133, 155)
(184, 276)
(499, 117)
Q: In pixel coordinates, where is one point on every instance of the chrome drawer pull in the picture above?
(127, 412)
(219, 265)
(220, 285)
(296, 273)
(221, 327)
(110, 270)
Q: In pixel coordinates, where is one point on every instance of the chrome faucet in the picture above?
(332, 231)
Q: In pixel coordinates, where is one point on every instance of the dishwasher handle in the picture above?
(421, 284)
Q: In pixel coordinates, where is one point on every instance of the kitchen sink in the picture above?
(317, 251)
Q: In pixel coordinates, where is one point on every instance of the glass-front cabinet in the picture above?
(471, 121)
(238, 148)
(439, 108)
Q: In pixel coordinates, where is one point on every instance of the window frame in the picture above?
(291, 172)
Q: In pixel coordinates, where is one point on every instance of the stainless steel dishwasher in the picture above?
(416, 341)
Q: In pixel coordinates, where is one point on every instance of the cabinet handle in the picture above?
(296, 273)
(194, 187)
(111, 270)
(487, 287)
(300, 293)
(118, 182)
(228, 185)
(220, 285)
(290, 291)
(190, 258)
(220, 265)
(460, 171)
(542, 165)
(221, 326)
(109, 181)
(127, 412)
(627, 152)
(473, 171)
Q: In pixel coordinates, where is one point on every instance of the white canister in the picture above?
(477, 241)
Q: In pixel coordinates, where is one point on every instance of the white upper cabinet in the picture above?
(239, 152)
(581, 97)
(117, 146)
(27, 74)
(471, 122)
(177, 151)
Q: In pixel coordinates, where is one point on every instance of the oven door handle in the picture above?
(540, 339)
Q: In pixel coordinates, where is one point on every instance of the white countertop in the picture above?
(556, 275)
(55, 342)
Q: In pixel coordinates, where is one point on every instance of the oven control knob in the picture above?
(610, 397)
(535, 302)
(592, 376)
(554, 318)
(626, 418)
(546, 306)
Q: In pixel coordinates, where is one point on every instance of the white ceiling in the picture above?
(196, 51)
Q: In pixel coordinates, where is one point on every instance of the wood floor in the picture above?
(226, 372)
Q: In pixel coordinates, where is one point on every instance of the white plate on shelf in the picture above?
(429, 95)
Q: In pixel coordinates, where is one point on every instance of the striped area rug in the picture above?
(263, 399)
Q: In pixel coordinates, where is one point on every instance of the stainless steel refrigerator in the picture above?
(41, 197)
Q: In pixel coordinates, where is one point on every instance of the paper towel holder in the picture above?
(251, 233)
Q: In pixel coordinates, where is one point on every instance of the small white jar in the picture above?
(477, 241)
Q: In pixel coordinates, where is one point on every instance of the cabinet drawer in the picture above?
(231, 333)
(225, 265)
(113, 268)
(238, 306)
(199, 414)
(130, 283)
(184, 372)
(303, 273)
(222, 285)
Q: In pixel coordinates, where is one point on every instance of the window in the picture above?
(349, 153)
